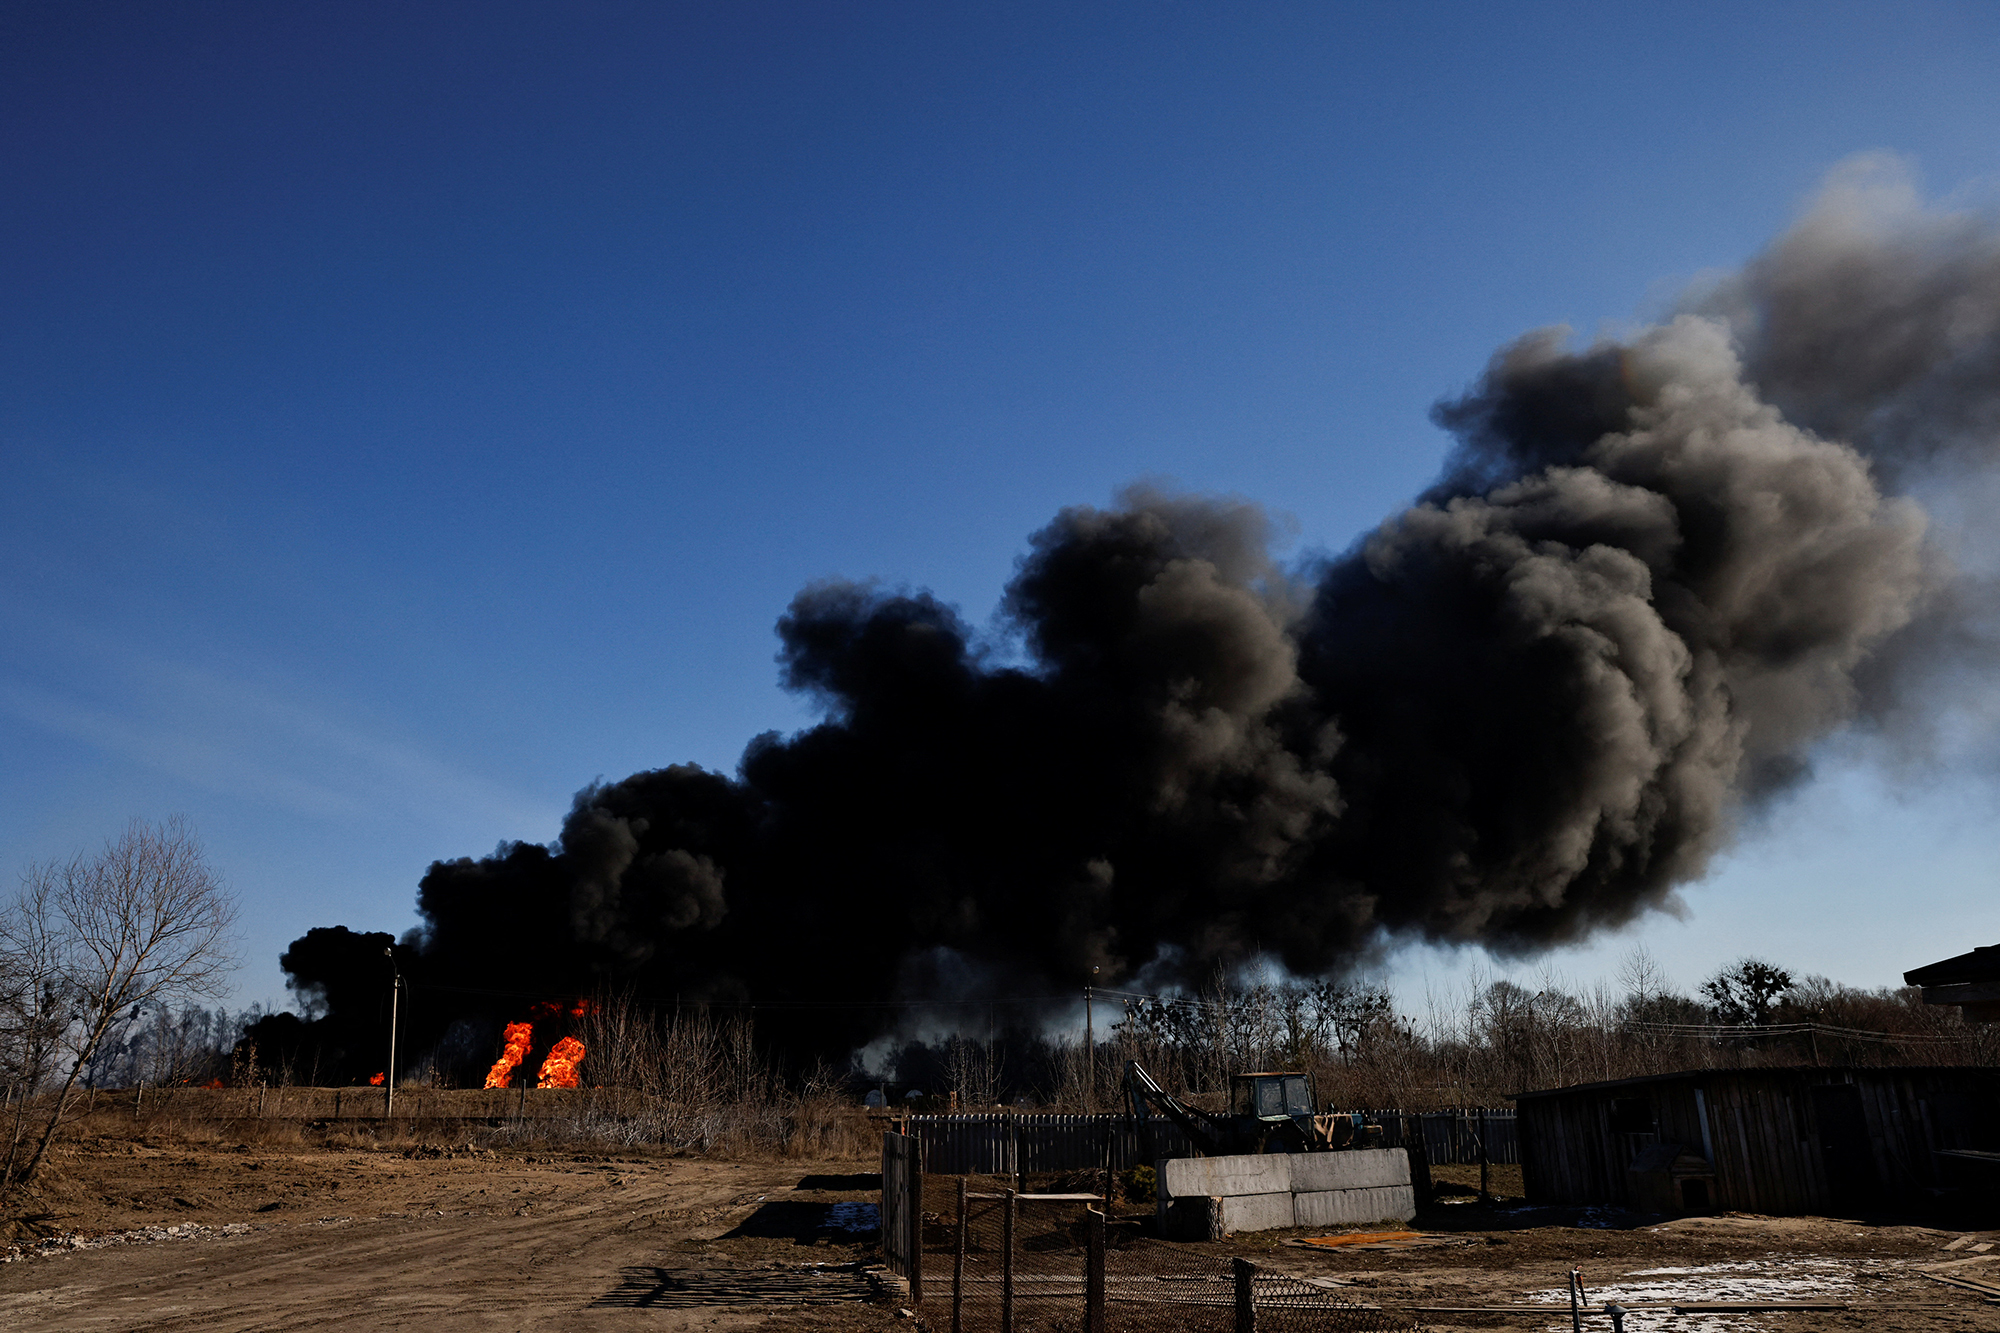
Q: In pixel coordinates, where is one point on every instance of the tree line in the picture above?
(1496, 1038)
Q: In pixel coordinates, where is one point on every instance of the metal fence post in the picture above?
(1484, 1158)
(1246, 1297)
(958, 1265)
(1007, 1266)
(1093, 1273)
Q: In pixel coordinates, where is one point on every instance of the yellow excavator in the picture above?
(1268, 1112)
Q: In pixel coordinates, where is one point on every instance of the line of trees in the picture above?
(1498, 1037)
(161, 1045)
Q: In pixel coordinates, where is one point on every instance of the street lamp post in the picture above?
(389, 1075)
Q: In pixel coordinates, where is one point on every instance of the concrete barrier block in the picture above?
(1323, 1208)
(1225, 1177)
(1358, 1168)
(1257, 1212)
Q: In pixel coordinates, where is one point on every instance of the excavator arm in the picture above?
(1146, 1099)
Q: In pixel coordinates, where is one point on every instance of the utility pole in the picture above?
(389, 1075)
(1089, 1051)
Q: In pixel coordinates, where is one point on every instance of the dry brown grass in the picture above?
(594, 1120)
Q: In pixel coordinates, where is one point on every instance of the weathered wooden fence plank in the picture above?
(902, 1225)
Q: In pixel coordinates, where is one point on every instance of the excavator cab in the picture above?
(1275, 1112)
(1271, 1097)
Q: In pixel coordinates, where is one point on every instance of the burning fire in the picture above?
(519, 1036)
(378, 1080)
(559, 1070)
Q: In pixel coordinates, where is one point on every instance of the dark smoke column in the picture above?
(1524, 709)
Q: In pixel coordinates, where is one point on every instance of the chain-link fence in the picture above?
(1055, 1263)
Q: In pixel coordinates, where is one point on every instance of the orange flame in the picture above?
(559, 1070)
(518, 1036)
(378, 1080)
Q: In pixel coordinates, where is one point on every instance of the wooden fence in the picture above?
(1456, 1136)
(1006, 1143)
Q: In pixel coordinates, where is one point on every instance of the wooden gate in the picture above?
(903, 1209)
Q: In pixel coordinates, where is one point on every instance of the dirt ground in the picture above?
(166, 1235)
(401, 1238)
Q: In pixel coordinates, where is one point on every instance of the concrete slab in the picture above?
(1257, 1212)
(1322, 1208)
(1226, 1177)
(1359, 1168)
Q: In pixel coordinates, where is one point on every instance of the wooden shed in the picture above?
(1799, 1140)
(1971, 981)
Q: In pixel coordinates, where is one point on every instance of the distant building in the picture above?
(1795, 1140)
(1971, 981)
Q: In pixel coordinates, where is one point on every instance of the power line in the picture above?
(543, 996)
(1788, 1030)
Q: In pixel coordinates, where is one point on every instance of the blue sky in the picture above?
(409, 413)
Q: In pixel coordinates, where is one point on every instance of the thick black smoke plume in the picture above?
(1524, 709)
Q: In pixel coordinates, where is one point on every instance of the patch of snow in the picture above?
(1755, 1280)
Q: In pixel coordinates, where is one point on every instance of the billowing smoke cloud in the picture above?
(1877, 321)
(1524, 709)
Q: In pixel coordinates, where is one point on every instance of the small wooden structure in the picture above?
(1971, 981)
(1795, 1140)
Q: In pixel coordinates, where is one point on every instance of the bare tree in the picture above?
(1645, 980)
(144, 920)
(34, 1009)
(972, 1070)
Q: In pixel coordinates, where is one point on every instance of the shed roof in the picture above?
(1758, 1071)
(1982, 964)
